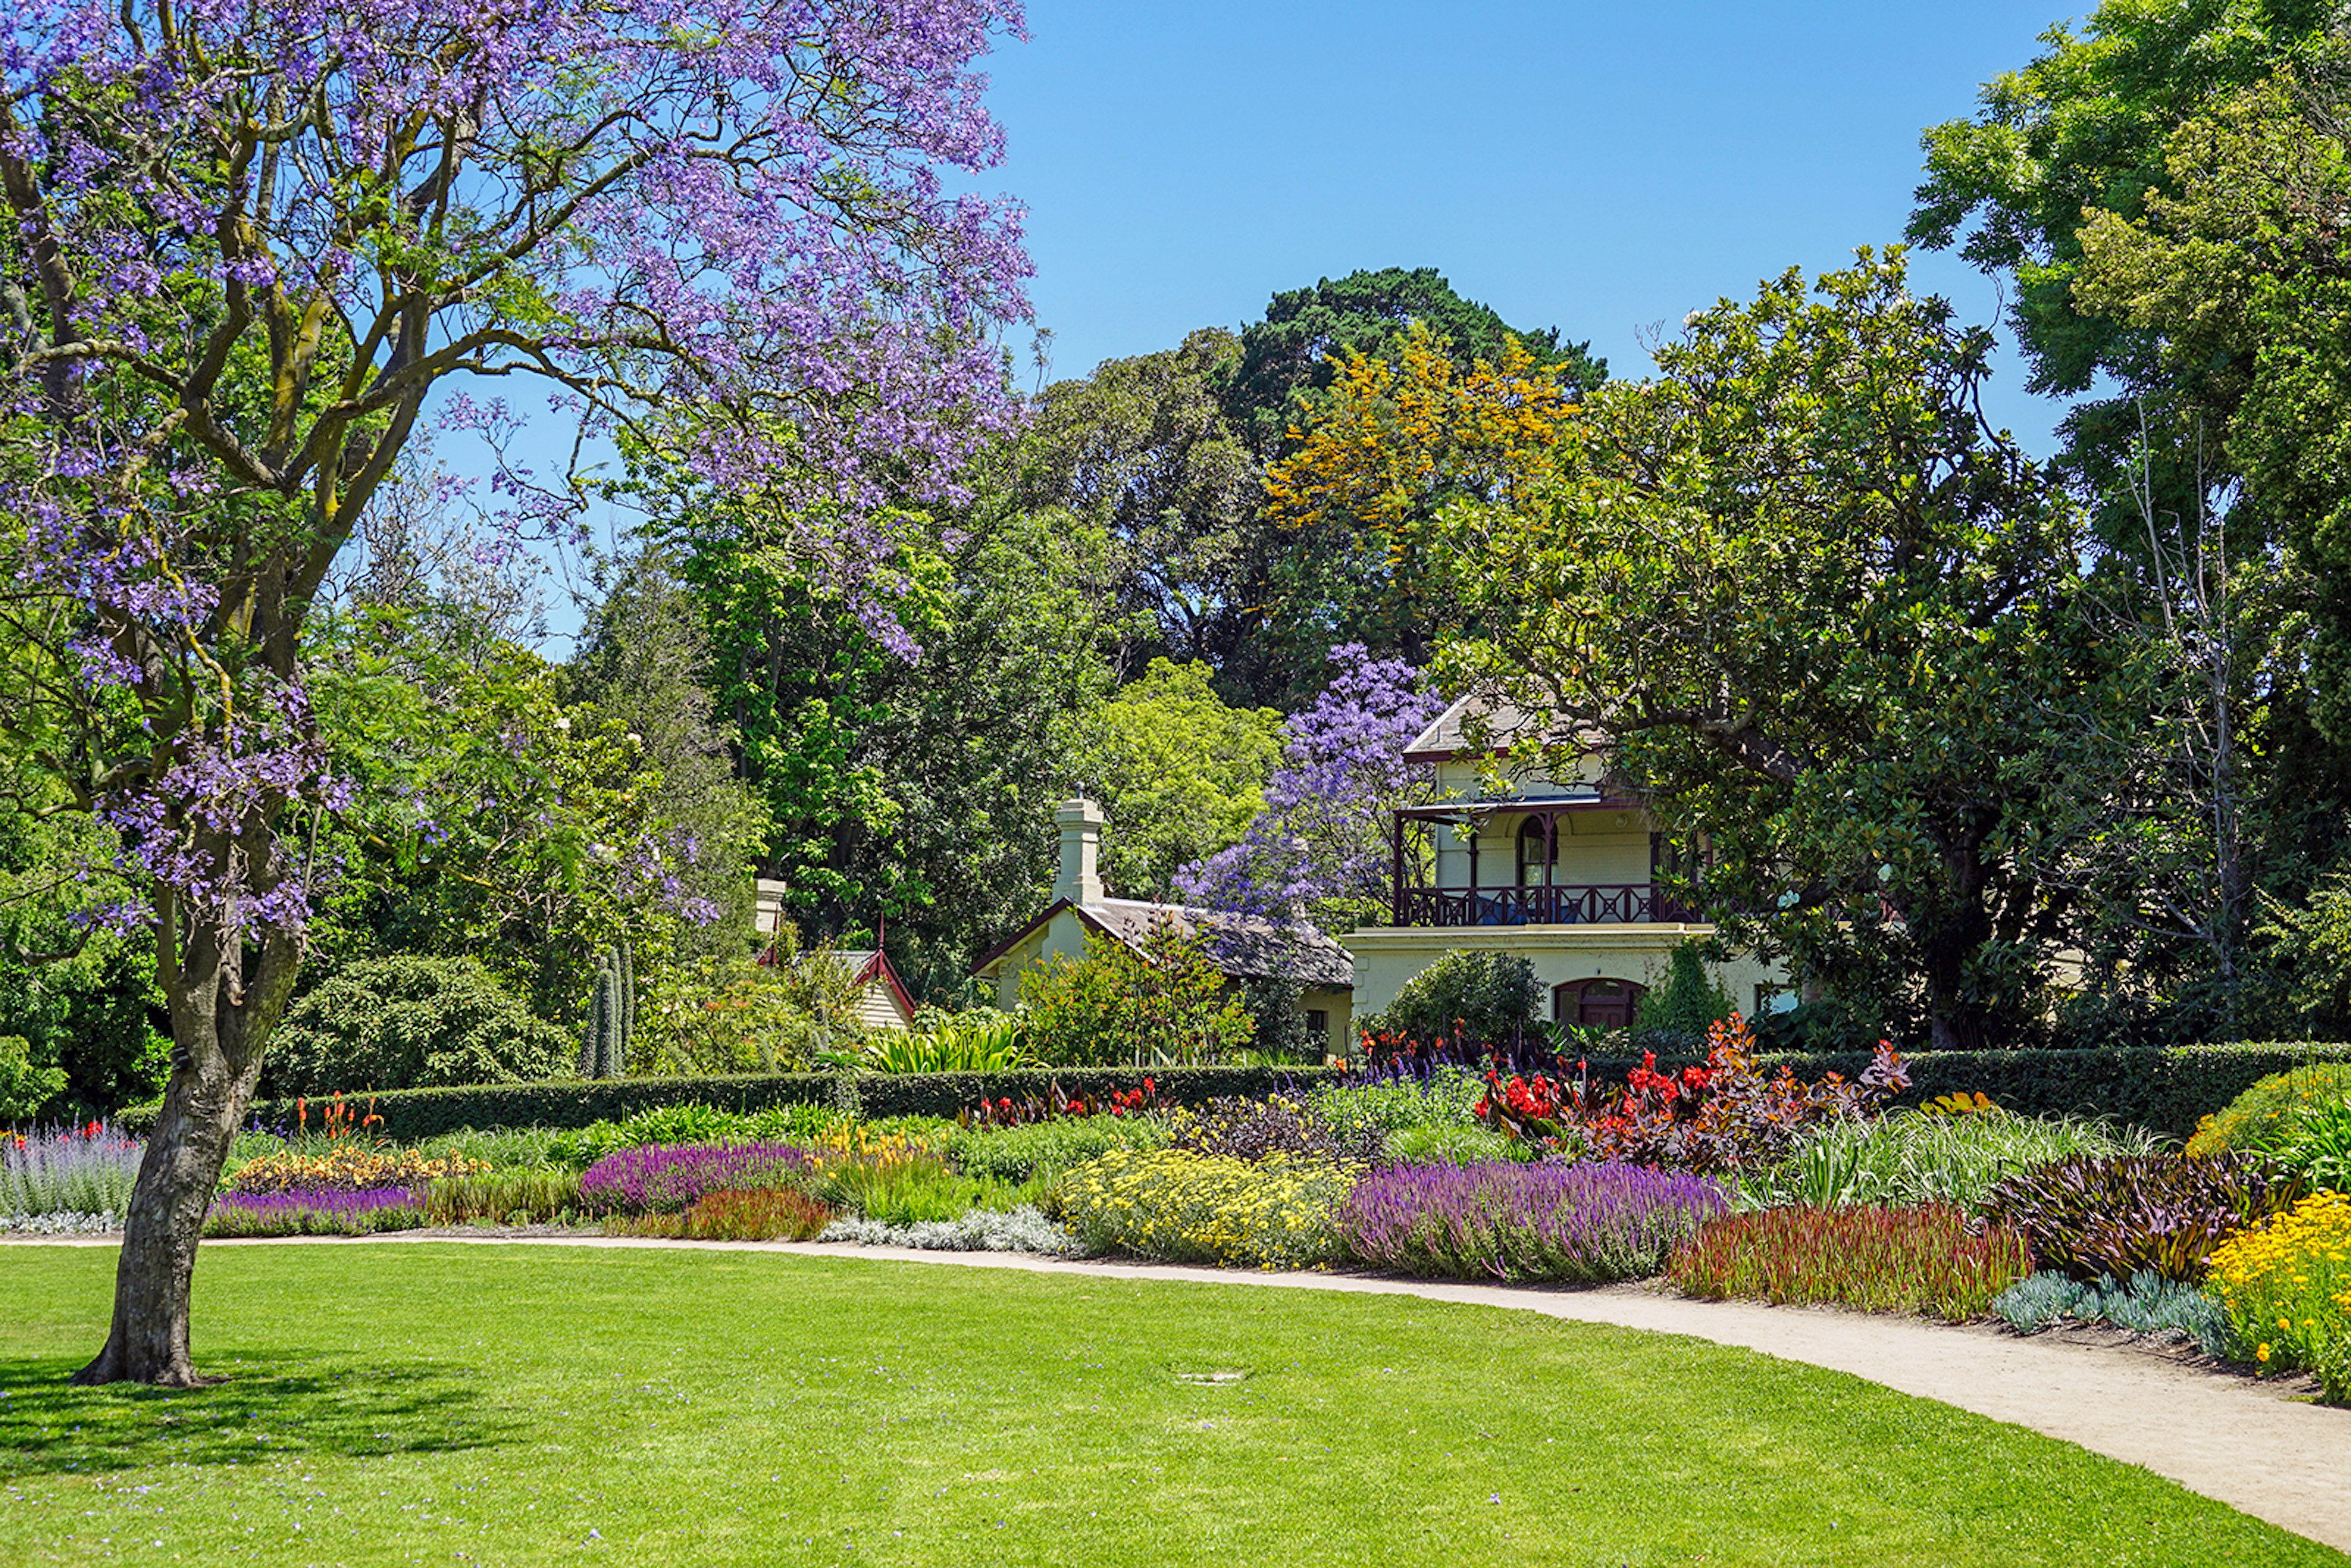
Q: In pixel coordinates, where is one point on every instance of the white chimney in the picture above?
(1080, 822)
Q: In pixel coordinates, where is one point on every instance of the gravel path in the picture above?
(2253, 1445)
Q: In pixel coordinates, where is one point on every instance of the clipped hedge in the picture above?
(412, 1114)
(2163, 1089)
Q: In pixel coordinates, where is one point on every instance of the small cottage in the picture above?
(1243, 948)
(882, 1000)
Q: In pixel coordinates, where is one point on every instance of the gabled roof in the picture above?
(866, 967)
(1242, 946)
(1504, 724)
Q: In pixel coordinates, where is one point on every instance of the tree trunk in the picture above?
(220, 1019)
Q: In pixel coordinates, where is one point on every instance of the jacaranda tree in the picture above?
(252, 244)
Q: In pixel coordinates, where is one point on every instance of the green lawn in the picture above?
(455, 1404)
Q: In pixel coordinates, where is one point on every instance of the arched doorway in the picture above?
(1602, 1002)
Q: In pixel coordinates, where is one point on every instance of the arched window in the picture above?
(1602, 1002)
(1535, 856)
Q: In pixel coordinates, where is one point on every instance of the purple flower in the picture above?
(668, 1177)
(1323, 831)
(319, 1211)
(1582, 1224)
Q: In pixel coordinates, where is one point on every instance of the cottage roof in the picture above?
(1502, 726)
(1243, 946)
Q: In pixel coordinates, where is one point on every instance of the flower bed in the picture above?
(2286, 1287)
(2092, 1217)
(85, 1170)
(1185, 1208)
(1884, 1259)
(763, 1215)
(348, 1166)
(318, 1211)
(1582, 1224)
(668, 1177)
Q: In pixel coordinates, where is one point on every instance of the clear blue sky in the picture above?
(1600, 168)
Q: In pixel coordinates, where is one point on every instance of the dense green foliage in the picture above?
(1466, 998)
(1164, 1002)
(416, 1113)
(1178, 774)
(2268, 1105)
(412, 1022)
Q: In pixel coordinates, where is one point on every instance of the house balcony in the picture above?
(1617, 903)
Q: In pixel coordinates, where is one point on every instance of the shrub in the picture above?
(2088, 1216)
(1244, 1129)
(1160, 1003)
(25, 1085)
(345, 1167)
(767, 1214)
(322, 1211)
(716, 1016)
(2265, 1109)
(503, 1197)
(409, 1021)
(1183, 1207)
(1467, 997)
(668, 1177)
(1924, 1260)
(1579, 1224)
(1686, 1007)
(2147, 1304)
(1045, 1150)
(89, 1169)
(1909, 1156)
(2286, 1288)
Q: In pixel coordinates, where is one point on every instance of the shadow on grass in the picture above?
(265, 1410)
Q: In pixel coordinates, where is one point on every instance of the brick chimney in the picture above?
(1080, 822)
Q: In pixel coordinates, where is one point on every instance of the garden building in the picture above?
(882, 1000)
(1243, 948)
(1561, 871)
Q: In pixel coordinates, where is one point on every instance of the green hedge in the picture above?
(2163, 1089)
(412, 1114)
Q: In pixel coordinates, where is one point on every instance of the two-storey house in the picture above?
(1563, 872)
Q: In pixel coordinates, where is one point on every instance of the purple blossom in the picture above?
(320, 1211)
(1580, 1224)
(1323, 831)
(668, 1177)
(718, 224)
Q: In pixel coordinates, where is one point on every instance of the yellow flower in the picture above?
(2262, 1351)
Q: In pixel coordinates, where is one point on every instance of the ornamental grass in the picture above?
(1925, 1260)
(1580, 1224)
(2286, 1287)
(767, 1214)
(1183, 1207)
(319, 1211)
(505, 1198)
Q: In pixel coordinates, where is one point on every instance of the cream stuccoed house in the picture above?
(1560, 872)
(1243, 948)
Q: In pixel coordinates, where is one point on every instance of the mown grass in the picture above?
(467, 1403)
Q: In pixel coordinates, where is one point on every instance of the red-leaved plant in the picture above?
(1724, 1116)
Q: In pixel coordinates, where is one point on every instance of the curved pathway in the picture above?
(2250, 1445)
